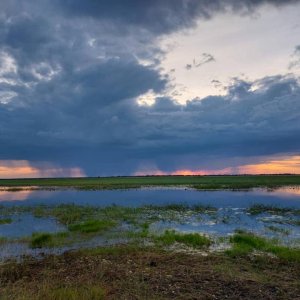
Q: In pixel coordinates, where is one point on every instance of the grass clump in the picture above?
(44, 239)
(5, 221)
(40, 240)
(194, 240)
(92, 226)
(245, 243)
(69, 213)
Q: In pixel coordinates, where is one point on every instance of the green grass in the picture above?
(92, 226)
(43, 239)
(5, 221)
(194, 240)
(199, 182)
(245, 243)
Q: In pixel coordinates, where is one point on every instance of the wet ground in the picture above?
(227, 212)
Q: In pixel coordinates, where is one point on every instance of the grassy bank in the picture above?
(199, 182)
(131, 272)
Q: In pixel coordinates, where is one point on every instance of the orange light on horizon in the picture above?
(281, 165)
(23, 169)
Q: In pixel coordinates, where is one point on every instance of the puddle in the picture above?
(24, 225)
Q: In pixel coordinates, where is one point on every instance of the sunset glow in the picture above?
(23, 169)
(280, 165)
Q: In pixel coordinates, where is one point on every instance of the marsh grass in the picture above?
(245, 243)
(92, 226)
(193, 240)
(43, 239)
(198, 182)
(5, 221)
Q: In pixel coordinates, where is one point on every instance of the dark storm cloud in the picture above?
(70, 73)
(159, 16)
(119, 137)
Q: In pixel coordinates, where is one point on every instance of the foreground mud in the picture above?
(135, 273)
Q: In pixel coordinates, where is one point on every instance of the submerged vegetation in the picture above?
(198, 182)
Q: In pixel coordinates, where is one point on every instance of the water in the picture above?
(231, 213)
(284, 197)
(25, 224)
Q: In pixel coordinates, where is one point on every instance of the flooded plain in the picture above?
(24, 213)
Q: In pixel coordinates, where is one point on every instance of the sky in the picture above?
(136, 87)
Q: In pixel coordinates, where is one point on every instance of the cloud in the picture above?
(159, 17)
(205, 58)
(188, 66)
(23, 169)
(71, 73)
(273, 165)
(210, 133)
(295, 63)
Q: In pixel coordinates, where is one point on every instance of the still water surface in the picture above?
(284, 197)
